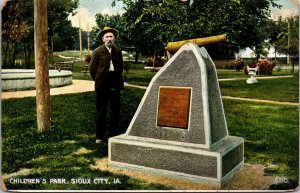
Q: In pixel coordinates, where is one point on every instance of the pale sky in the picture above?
(89, 8)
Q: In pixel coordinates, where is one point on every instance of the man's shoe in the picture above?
(98, 141)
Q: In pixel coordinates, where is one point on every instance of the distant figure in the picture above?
(106, 67)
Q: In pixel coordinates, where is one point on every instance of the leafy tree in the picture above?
(60, 28)
(151, 24)
(287, 40)
(17, 18)
(242, 20)
(14, 29)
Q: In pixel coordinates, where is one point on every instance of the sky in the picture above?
(89, 8)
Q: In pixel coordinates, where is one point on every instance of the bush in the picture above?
(265, 66)
(156, 62)
(238, 64)
(88, 58)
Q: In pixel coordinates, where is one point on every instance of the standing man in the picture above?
(106, 67)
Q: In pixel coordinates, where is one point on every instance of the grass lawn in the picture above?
(281, 89)
(69, 151)
(136, 75)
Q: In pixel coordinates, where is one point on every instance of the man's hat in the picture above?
(108, 29)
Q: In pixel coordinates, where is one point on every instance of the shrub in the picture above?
(265, 66)
(238, 64)
(156, 62)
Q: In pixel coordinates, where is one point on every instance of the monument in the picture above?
(179, 129)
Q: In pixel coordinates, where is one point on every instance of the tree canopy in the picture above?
(18, 22)
(148, 25)
(152, 24)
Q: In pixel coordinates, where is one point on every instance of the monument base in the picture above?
(185, 161)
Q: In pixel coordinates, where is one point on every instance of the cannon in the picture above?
(173, 47)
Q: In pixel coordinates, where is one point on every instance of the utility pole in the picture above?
(80, 40)
(43, 104)
(88, 36)
(289, 43)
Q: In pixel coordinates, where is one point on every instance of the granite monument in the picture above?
(179, 129)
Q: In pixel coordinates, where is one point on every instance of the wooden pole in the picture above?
(289, 43)
(88, 36)
(43, 105)
(80, 40)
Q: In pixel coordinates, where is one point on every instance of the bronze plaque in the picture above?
(174, 107)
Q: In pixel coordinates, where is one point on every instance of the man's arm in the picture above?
(122, 62)
(93, 64)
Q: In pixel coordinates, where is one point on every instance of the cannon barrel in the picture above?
(173, 47)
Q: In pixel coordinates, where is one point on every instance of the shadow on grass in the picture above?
(68, 150)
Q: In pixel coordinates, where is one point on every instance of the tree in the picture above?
(61, 32)
(43, 105)
(242, 20)
(20, 13)
(287, 41)
(151, 24)
(14, 29)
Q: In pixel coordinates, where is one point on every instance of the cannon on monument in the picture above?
(173, 47)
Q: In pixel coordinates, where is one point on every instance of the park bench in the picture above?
(85, 70)
(63, 65)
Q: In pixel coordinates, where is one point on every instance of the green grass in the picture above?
(270, 131)
(270, 138)
(53, 155)
(231, 73)
(138, 75)
(281, 89)
(77, 74)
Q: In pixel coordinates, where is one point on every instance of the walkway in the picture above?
(80, 86)
(257, 77)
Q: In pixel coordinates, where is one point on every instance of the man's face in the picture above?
(108, 37)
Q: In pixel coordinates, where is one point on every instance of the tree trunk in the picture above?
(5, 55)
(9, 56)
(136, 56)
(28, 51)
(29, 56)
(14, 54)
(293, 66)
(52, 61)
(43, 104)
(25, 57)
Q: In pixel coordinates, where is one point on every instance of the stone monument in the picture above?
(179, 129)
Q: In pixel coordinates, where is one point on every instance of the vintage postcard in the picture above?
(149, 95)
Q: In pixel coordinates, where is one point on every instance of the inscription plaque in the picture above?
(174, 107)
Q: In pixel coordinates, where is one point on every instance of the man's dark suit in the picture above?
(107, 86)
